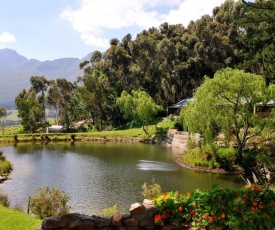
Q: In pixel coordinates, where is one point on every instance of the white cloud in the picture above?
(191, 10)
(6, 37)
(95, 18)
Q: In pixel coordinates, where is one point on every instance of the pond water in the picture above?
(96, 176)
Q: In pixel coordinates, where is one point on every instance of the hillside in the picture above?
(16, 70)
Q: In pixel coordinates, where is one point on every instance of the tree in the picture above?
(98, 97)
(40, 85)
(225, 104)
(66, 90)
(3, 114)
(139, 107)
(30, 111)
(259, 38)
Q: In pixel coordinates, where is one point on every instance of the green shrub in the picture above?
(178, 123)
(201, 157)
(250, 207)
(151, 191)
(226, 157)
(5, 166)
(4, 200)
(111, 211)
(18, 208)
(48, 202)
(161, 132)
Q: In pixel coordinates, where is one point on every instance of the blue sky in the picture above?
(52, 29)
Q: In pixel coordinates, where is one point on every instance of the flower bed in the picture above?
(250, 207)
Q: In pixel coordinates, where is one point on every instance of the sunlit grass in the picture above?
(136, 133)
(11, 219)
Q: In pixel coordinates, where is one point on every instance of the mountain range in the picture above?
(16, 71)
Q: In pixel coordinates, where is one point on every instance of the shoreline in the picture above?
(3, 178)
(208, 170)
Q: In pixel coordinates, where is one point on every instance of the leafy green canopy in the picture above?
(139, 107)
(225, 104)
(259, 38)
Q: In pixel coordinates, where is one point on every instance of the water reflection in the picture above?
(97, 176)
(156, 166)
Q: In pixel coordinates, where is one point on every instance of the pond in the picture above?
(96, 176)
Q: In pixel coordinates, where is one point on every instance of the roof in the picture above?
(269, 103)
(180, 104)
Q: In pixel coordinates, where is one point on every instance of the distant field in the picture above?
(12, 115)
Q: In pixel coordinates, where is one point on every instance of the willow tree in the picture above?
(225, 105)
(138, 106)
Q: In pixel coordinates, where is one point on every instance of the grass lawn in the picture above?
(11, 220)
(131, 133)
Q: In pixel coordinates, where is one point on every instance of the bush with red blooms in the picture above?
(249, 207)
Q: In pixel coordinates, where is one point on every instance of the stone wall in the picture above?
(141, 216)
(180, 139)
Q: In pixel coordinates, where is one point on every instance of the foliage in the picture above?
(5, 165)
(97, 102)
(225, 104)
(201, 157)
(138, 106)
(259, 38)
(250, 207)
(4, 200)
(151, 191)
(12, 219)
(30, 111)
(226, 158)
(160, 133)
(48, 202)
(109, 211)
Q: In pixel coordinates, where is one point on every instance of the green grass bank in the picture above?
(12, 219)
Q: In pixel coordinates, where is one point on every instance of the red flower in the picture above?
(211, 219)
(254, 210)
(260, 206)
(223, 216)
(191, 212)
(164, 216)
(255, 188)
(206, 216)
(254, 203)
(180, 209)
(157, 218)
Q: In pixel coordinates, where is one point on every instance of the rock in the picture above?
(137, 209)
(52, 223)
(103, 222)
(131, 223)
(116, 221)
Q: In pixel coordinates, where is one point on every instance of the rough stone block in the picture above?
(117, 220)
(137, 209)
(103, 222)
(51, 223)
(131, 223)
